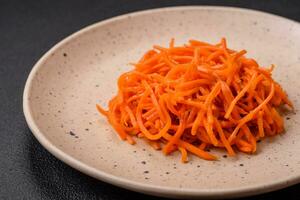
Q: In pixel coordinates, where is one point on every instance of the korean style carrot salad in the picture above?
(195, 97)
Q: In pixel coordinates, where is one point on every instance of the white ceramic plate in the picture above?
(66, 83)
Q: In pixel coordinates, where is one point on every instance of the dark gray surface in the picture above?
(27, 30)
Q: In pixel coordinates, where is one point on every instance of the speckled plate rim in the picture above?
(134, 185)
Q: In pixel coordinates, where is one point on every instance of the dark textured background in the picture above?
(27, 30)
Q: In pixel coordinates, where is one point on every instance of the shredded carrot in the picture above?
(183, 152)
(195, 97)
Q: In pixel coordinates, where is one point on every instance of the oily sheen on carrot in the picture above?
(197, 96)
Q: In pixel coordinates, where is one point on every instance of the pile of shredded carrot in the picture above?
(197, 96)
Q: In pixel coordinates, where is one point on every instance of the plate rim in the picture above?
(165, 191)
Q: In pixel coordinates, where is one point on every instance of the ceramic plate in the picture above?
(66, 83)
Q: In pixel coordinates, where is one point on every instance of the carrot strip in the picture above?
(260, 124)
(183, 154)
(240, 95)
(203, 145)
(224, 139)
(251, 114)
(101, 110)
(175, 138)
(130, 140)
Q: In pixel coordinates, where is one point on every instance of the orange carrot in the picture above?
(183, 151)
(195, 97)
